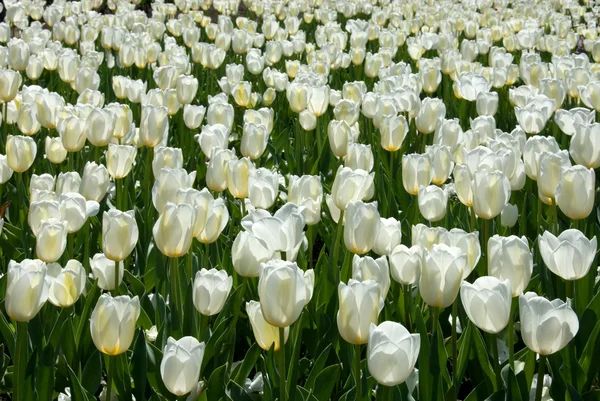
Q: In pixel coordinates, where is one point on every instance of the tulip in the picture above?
(20, 152)
(216, 172)
(441, 163)
(103, 270)
(42, 182)
(585, 145)
(66, 285)
(339, 134)
(347, 110)
(119, 234)
(491, 192)
(27, 120)
(40, 211)
(307, 191)
(433, 202)
(469, 85)
(367, 268)
(388, 237)
(570, 255)
(112, 323)
(509, 215)
(10, 81)
(187, 87)
(487, 103)
(173, 230)
(26, 289)
(123, 117)
(254, 140)
(51, 240)
(449, 133)
(359, 307)
(392, 353)
(531, 153)
(168, 181)
(248, 253)
(575, 192)
(193, 115)
(180, 365)
(467, 242)
(546, 326)
(263, 187)
(74, 210)
(5, 171)
(405, 264)
(210, 290)
(441, 275)
(266, 335)
(361, 226)
(238, 173)
(166, 157)
(431, 112)
(487, 302)
(217, 217)
(100, 127)
(282, 292)
(509, 258)
(533, 117)
(425, 236)
(119, 160)
(55, 152)
(359, 156)
(568, 119)
(220, 113)
(72, 133)
(416, 172)
(549, 171)
(590, 95)
(94, 182)
(154, 125)
(393, 131)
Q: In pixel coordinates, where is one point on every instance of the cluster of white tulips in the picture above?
(184, 186)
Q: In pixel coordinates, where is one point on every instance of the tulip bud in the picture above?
(307, 191)
(55, 152)
(361, 226)
(416, 172)
(20, 152)
(217, 218)
(168, 181)
(112, 323)
(487, 303)
(441, 275)
(51, 240)
(210, 291)
(339, 134)
(10, 81)
(433, 202)
(359, 307)
(254, 140)
(213, 137)
(509, 258)
(359, 156)
(487, 103)
(193, 115)
(100, 127)
(72, 133)
(248, 253)
(166, 157)
(119, 160)
(74, 210)
(154, 125)
(173, 230)
(66, 285)
(377, 270)
(393, 131)
(575, 192)
(26, 289)
(431, 112)
(405, 264)
(103, 270)
(546, 326)
(187, 86)
(263, 187)
(350, 185)
(94, 182)
(216, 172)
(180, 365)
(68, 182)
(266, 335)
(392, 353)
(388, 237)
(491, 192)
(119, 234)
(570, 255)
(549, 171)
(238, 172)
(27, 120)
(282, 292)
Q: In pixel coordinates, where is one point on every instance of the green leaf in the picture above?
(8, 334)
(139, 366)
(136, 286)
(92, 372)
(248, 364)
(318, 366)
(326, 381)
(425, 376)
(237, 393)
(44, 375)
(484, 362)
(513, 391)
(216, 383)
(77, 391)
(305, 394)
(216, 339)
(464, 352)
(84, 322)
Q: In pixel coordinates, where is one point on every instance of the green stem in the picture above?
(116, 289)
(540, 378)
(310, 234)
(386, 392)
(20, 362)
(336, 244)
(435, 312)
(357, 371)
(495, 362)
(86, 246)
(406, 292)
(174, 270)
(454, 338)
(189, 265)
(511, 334)
(110, 374)
(473, 219)
(203, 327)
(281, 355)
(206, 258)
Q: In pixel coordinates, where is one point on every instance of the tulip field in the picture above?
(299, 200)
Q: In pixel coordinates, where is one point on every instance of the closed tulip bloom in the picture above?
(27, 120)
(359, 156)
(216, 221)
(590, 95)
(307, 191)
(20, 152)
(51, 240)
(168, 181)
(441, 275)
(433, 202)
(347, 110)
(340, 135)
(166, 157)
(416, 172)
(248, 253)
(103, 270)
(509, 215)
(238, 173)
(55, 152)
(74, 209)
(180, 365)
(193, 115)
(187, 87)
(216, 171)
(405, 264)
(467, 242)
(119, 234)
(487, 303)
(298, 96)
(123, 118)
(392, 353)
(210, 291)
(200, 201)
(575, 192)
(393, 130)
(154, 125)
(282, 292)
(431, 112)
(431, 77)
(546, 326)
(388, 237)
(66, 285)
(72, 133)
(509, 258)
(26, 289)
(5, 171)
(119, 160)
(40, 211)
(585, 145)
(568, 119)
(361, 226)
(378, 270)
(266, 335)
(94, 181)
(491, 192)
(263, 187)
(533, 117)
(112, 323)
(10, 81)
(425, 236)
(254, 140)
(173, 230)
(570, 255)
(449, 133)
(487, 103)
(42, 182)
(469, 85)
(550, 169)
(220, 113)
(531, 153)
(441, 163)
(212, 137)
(359, 308)
(100, 127)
